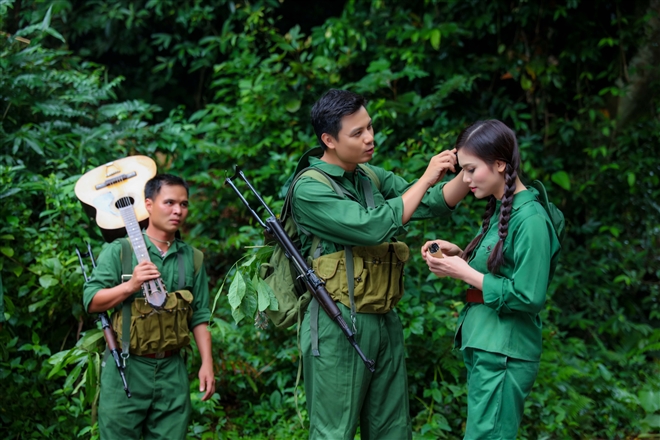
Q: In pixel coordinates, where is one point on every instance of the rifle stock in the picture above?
(314, 284)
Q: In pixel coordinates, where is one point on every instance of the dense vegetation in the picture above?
(204, 85)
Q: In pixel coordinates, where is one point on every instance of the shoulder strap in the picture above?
(198, 259)
(555, 215)
(370, 173)
(126, 255)
(317, 175)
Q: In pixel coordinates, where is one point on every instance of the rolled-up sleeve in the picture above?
(106, 275)
(200, 305)
(330, 216)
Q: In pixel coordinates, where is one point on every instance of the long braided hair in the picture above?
(490, 141)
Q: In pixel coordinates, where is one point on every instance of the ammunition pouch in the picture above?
(154, 331)
(377, 273)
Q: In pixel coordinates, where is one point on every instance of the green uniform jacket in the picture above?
(508, 322)
(340, 221)
(108, 274)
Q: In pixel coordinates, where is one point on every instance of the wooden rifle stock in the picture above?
(314, 284)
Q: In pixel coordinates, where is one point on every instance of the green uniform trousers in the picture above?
(497, 388)
(160, 404)
(341, 392)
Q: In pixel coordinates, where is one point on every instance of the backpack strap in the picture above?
(126, 256)
(370, 173)
(198, 259)
(555, 215)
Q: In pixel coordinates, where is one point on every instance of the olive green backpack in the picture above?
(556, 216)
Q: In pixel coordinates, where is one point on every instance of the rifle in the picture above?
(108, 332)
(314, 284)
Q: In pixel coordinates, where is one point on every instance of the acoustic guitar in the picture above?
(113, 196)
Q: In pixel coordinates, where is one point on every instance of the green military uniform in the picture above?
(501, 339)
(160, 404)
(340, 391)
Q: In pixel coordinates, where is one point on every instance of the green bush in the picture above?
(577, 81)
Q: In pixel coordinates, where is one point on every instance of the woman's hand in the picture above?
(446, 248)
(445, 265)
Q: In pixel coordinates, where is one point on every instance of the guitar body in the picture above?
(100, 189)
(113, 195)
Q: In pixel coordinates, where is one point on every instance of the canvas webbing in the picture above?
(126, 255)
(126, 268)
(182, 270)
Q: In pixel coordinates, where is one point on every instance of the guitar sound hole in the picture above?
(124, 202)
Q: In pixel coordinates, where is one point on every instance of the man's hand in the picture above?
(438, 166)
(143, 272)
(206, 380)
(206, 377)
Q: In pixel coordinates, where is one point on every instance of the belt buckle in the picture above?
(159, 355)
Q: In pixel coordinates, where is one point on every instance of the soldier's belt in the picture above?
(161, 354)
(473, 295)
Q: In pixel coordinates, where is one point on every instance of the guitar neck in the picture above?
(134, 233)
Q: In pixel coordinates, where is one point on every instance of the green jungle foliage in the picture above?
(203, 86)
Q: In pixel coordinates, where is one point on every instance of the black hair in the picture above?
(153, 186)
(491, 141)
(328, 111)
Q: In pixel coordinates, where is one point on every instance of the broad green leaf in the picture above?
(652, 421)
(45, 24)
(378, 66)
(275, 400)
(650, 400)
(47, 281)
(237, 290)
(562, 179)
(39, 304)
(604, 372)
(267, 299)
(89, 340)
(73, 377)
(7, 251)
(263, 297)
(435, 39)
(249, 261)
(9, 192)
(293, 105)
(249, 304)
(238, 315)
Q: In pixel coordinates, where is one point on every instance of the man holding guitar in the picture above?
(155, 331)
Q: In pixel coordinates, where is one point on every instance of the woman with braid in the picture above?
(508, 267)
